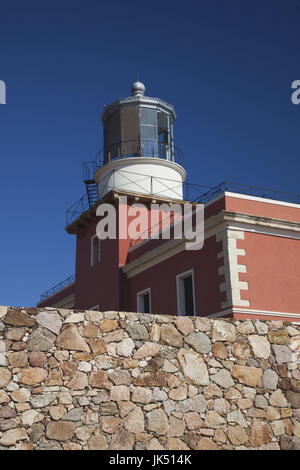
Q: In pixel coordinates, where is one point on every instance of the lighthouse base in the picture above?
(161, 178)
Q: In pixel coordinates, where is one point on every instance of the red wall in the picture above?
(273, 272)
(263, 209)
(143, 246)
(98, 284)
(273, 268)
(162, 280)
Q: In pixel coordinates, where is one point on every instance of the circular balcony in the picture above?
(139, 148)
(132, 149)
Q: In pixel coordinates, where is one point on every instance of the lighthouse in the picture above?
(139, 154)
(248, 266)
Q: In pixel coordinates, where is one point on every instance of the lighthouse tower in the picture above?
(139, 155)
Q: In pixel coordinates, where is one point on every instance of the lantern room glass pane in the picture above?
(148, 132)
(148, 116)
(163, 129)
(163, 133)
(155, 134)
(112, 136)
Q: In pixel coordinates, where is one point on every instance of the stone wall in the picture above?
(116, 380)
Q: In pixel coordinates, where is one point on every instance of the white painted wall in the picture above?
(142, 175)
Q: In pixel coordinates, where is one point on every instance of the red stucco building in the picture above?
(248, 267)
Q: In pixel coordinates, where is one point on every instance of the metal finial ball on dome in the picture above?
(138, 89)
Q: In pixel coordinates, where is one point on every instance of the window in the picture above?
(95, 250)
(112, 136)
(163, 132)
(144, 301)
(148, 132)
(148, 118)
(185, 293)
(163, 128)
(156, 134)
(96, 307)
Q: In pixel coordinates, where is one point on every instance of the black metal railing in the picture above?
(194, 193)
(151, 185)
(78, 208)
(132, 149)
(61, 285)
(249, 190)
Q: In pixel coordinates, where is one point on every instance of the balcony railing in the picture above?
(132, 149)
(61, 285)
(78, 208)
(157, 186)
(196, 193)
(249, 190)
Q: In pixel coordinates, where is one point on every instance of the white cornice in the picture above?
(249, 311)
(263, 225)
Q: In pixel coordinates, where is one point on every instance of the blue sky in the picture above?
(227, 67)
